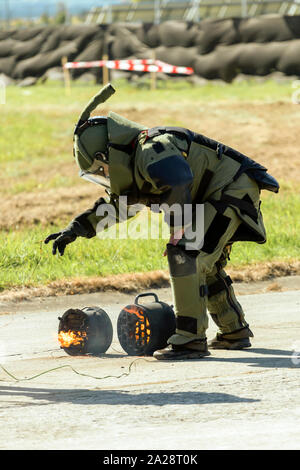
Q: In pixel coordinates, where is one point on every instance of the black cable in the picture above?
(124, 374)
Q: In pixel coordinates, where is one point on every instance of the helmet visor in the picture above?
(98, 174)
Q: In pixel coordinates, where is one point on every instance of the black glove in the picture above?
(62, 239)
(79, 227)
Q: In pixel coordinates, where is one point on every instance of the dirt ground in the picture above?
(266, 132)
(229, 400)
(263, 277)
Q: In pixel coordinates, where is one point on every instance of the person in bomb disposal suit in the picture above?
(169, 165)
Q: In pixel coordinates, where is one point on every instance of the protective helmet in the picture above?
(91, 139)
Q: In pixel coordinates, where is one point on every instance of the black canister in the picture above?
(143, 329)
(85, 331)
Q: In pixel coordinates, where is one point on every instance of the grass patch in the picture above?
(26, 261)
(282, 225)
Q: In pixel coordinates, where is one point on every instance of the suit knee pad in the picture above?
(181, 262)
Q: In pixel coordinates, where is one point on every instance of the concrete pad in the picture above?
(230, 400)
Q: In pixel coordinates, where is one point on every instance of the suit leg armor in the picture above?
(190, 301)
(222, 304)
(189, 271)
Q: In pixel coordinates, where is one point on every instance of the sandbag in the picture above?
(6, 34)
(114, 28)
(25, 49)
(28, 33)
(217, 32)
(70, 50)
(219, 64)
(123, 45)
(93, 51)
(268, 56)
(6, 47)
(289, 62)
(68, 33)
(214, 48)
(259, 59)
(7, 65)
(36, 66)
(72, 32)
(80, 34)
(293, 23)
(52, 42)
(85, 35)
(177, 33)
(181, 56)
(119, 49)
(266, 29)
(148, 34)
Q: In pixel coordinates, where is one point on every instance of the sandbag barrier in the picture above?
(214, 49)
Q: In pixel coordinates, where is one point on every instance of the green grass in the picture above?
(36, 128)
(283, 228)
(26, 260)
(51, 98)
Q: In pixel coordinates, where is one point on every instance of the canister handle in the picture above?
(146, 294)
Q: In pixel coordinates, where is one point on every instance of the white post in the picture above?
(157, 11)
(2, 92)
(244, 8)
(105, 72)
(67, 76)
(109, 14)
(153, 74)
(193, 13)
(197, 11)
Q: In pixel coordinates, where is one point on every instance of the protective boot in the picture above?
(235, 340)
(192, 350)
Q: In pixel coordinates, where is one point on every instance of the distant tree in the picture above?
(61, 14)
(45, 18)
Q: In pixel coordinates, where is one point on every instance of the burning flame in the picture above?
(142, 326)
(135, 311)
(71, 338)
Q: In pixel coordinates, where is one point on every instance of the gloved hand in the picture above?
(62, 239)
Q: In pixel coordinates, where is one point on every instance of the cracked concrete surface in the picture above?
(230, 400)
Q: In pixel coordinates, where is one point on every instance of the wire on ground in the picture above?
(124, 374)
